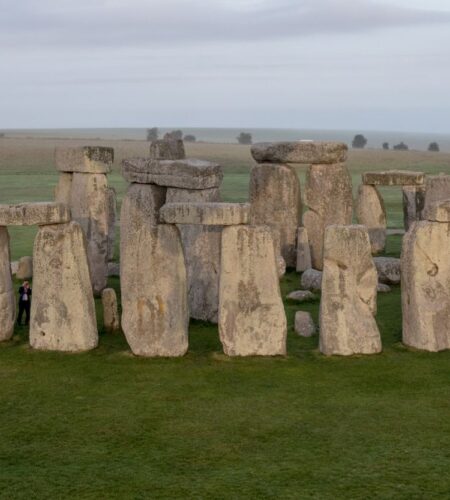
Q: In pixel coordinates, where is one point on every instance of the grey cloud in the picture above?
(140, 23)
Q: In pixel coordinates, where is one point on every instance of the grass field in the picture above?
(105, 424)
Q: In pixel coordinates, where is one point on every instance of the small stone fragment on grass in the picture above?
(311, 280)
(304, 324)
(301, 296)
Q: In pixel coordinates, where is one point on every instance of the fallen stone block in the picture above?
(388, 269)
(382, 288)
(31, 214)
(299, 152)
(207, 214)
(304, 324)
(85, 159)
(301, 296)
(394, 178)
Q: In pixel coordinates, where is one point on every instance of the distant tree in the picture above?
(434, 147)
(385, 145)
(401, 147)
(245, 138)
(190, 138)
(359, 141)
(152, 134)
(175, 135)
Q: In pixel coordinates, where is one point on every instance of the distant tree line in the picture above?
(359, 142)
(153, 135)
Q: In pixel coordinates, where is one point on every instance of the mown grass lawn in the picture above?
(106, 424)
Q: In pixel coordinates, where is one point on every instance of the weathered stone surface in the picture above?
(299, 152)
(437, 189)
(304, 324)
(388, 269)
(301, 296)
(329, 197)
(382, 288)
(111, 321)
(276, 201)
(186, 174)
(31, 214)
(207, 214)
(64, 188)
(25, 268)
(167, 149)
(438, 211)
(153, 276)
(311, 280)
(252, 320)
(349, 294)
(90, 208)
(14, 266)
(281, 266)
(303, 250)
(201, 245)
(112, 216)
(371, 213)
(86, 159)
(62, 309)
(413, 204)
(426, 286)
(281, 263)
(7, 299)
(394, 178)
(113, 269)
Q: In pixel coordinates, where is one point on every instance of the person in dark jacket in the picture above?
(24, 303)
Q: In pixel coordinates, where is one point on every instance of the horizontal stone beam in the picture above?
(85, 160)
(308, 152)
(31, 214)
(394, 178)
(208, 214)
(186, 174)
(438, 212)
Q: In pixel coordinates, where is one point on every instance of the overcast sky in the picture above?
(325, 64)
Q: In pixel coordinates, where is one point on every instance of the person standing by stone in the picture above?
(24, 303)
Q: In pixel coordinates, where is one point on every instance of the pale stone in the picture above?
(206, 214)
(349, 294)
(299, 152)
(167, 149)
(304, 324)
(388, 269)
(413, 204)
(186, 174)
(62, 309)
(301, 296)
(371, 213)
(111, 320)
(201, 245)
(329, 197)
(112, 216)
(281, 263)
(438, 211)
(25, 268)
(64, 188)
(252, 320)
(90, 208)
(311, 280)
(14, 266)
(31, 214)
(281, 266)
(426, 286)
(153, 276)
(7, 299)
(303, 250)
(382, 288)
(437, 189)
(85, 159)
(276, 201)
(394, 178)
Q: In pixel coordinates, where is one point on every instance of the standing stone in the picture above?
(413, 204)
(112, 216)
(167, 149)
(304, 324)
(25, 268)
(426, 286)
(276, 201)
(62, 309)
(371, 213)
(7, 299)
(90, 208)
(252, 320)
(111, 320)
(349, 293)
(303, 250)
(388, 269)
(330, 200)
(311, 280)
(201, 245)
(153, 276)
(437, 189)
(64, 188)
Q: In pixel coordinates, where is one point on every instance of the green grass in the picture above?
(105, 424)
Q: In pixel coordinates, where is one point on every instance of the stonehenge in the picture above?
(371, 213)
(111, 320)
(437, 189)
(25, 268)
(303, 251)
(7, 296)
(304, 324)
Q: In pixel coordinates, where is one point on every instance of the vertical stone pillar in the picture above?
(7, 298)
(425, 264)
(111, 321)
(413, 204)
(112, 217)
(437, 188)
(371, 213)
